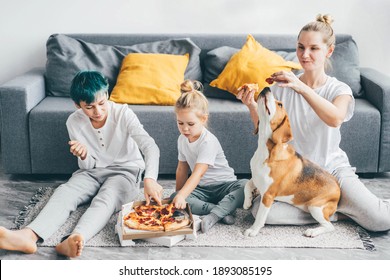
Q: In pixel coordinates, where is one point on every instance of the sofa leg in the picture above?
(368, 175)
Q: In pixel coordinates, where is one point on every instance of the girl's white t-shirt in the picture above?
(313, 138)
(206, 149)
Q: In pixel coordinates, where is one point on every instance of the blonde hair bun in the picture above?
(192, 97)
(325, 19)
(189, 86)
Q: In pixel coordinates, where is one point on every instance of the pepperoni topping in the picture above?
(269, 80)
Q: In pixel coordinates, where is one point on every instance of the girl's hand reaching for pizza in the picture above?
(179, 201)
(152, 189)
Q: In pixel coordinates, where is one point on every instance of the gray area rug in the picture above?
(347, 235)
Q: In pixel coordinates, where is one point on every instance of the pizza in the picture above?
(269, 80)
(134, 221)
(156, 218)
(254, 87)
(167, 211)
(175, 223)
(148, 211)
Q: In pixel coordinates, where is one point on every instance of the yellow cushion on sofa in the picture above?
(252, 64)
(149, 78)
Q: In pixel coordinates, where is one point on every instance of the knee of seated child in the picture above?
(243, 182)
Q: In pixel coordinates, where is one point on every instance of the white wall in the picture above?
(26, 25)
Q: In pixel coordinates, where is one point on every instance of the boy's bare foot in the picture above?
(72, 246)
(23, 240)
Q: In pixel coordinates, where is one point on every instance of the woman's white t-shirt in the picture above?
(313, 138)
(206, 149)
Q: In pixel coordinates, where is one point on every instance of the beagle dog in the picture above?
(280, 173)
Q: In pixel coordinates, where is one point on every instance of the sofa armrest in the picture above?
(17, 97)
(376, 86)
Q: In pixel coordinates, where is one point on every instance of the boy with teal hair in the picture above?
(108, 139)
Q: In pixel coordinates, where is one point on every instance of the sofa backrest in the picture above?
(206, 42)
(345, 60)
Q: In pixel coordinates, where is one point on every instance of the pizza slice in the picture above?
(175, 224)
(254, 87)
(134, 221)
(177, 220)
(148, 210)
(167, 211)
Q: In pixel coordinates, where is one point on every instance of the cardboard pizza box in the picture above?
(167, 241)
(131, 234)
(118, 231)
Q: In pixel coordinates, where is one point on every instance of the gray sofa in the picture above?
(34, 137)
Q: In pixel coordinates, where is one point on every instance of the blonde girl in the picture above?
(212, 190)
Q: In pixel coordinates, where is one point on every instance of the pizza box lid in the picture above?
(128, 233)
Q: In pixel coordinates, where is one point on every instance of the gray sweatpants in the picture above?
(106, 188)
(221, 199)
(356, 202)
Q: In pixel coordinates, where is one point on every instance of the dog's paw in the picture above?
(247, 204)
(313, 232)
(252, 232)
(310, 233)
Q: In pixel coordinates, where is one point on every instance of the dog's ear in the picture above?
(256, 130)
(283, 133)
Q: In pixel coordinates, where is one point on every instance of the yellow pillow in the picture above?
(149, 78)
(252, 64)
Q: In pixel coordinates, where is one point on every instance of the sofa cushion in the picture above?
(66, 56)
(345, 65)
(365, 124)
(252, 64)
(216, 60)
(150, 79)
(214, 92)
(49, 137)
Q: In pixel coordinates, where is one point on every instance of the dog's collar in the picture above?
(281, 123)
(276, 128)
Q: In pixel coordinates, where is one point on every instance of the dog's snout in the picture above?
(264, 91)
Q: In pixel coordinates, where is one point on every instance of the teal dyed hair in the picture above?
(87, 86)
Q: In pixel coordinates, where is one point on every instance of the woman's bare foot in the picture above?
(72, 246)
(23, 240)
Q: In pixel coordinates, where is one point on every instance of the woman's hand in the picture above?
(152, 190)
(289, 79)
(247, 96)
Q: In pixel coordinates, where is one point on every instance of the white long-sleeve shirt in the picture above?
(118, 143)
